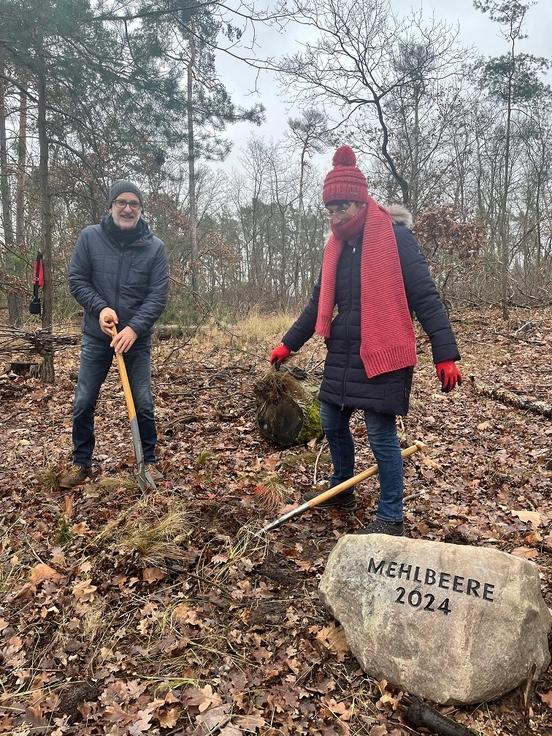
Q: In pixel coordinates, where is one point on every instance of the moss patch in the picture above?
(312, 426)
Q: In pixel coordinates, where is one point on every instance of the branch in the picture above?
(13, 339)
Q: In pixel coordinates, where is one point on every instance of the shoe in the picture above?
(345, 500)
(154, 473)
(395, 528)
(76, 475)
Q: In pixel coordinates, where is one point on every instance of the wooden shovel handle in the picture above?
(125, 382)
(368, 473)
(313, 502)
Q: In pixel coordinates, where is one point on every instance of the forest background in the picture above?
(93, 91)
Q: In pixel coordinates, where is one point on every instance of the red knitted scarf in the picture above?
(387, 338)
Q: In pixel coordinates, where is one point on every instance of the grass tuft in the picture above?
(64, 533)
(110, 483)
(154, 530)
(203, 459)
(271, 493)
(49, 477)
(256, 327)
(293, 459)
(157, 541)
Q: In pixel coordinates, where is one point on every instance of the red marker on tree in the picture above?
(35, 306)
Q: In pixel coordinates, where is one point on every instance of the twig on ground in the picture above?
(322, 445)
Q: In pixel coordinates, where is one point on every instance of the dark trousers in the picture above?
(95, 361)
(384, 442)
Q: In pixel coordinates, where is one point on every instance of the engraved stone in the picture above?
(450, 623)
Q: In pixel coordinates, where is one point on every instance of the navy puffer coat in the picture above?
(132, 279)
(345, 382)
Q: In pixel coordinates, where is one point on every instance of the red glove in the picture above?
(448, 374)
(279, 354)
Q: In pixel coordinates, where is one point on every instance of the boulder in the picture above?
(449, 623)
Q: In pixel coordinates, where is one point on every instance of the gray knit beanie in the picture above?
(120, 186)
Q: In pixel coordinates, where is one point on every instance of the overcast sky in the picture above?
(475, 29)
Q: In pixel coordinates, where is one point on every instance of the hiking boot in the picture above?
(76, 475)
(395, 528)
(345, 500)
(154, 473)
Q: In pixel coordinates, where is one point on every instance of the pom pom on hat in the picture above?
(345, 182)
(344, 156)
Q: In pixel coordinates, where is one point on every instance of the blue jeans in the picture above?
(95, 361)
(382, 435)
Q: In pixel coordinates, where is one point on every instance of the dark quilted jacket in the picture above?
(345, 382)
(132, 279)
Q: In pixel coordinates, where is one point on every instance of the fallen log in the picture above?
(508, 397)
(167, 332)
(288, 410)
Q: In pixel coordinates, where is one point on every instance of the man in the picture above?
(374, 271)
(119, 274)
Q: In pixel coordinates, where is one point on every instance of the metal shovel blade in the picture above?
(144, 479)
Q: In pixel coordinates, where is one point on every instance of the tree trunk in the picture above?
(299, 226)
(14, 314)
(7, 223)
(504, 220)
(21, 170)
(48, 374)
(16, 302)
(414, 188)
(191, 174)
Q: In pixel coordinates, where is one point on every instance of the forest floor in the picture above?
(121, 614)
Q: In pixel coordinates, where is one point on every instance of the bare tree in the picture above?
(510, 79)
(359, 63)
(13, 297)
(310, 134)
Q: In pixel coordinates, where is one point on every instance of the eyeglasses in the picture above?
(337, 209)
(134, 204)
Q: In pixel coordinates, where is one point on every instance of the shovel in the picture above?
(331, 492)
(143, 476)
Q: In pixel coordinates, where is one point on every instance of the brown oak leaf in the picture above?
(42, 572)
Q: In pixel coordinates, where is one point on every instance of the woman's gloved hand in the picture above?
(448, 374)
(280, 353)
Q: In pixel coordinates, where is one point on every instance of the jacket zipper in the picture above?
(118, 283)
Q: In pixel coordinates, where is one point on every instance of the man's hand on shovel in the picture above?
(124, 340)
(108, 319)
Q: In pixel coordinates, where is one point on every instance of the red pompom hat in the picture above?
(345, 182)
